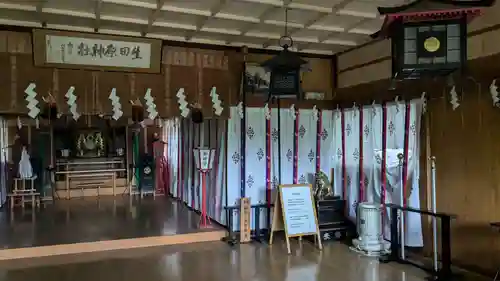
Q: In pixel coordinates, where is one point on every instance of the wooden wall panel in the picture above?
(216, 78)
(465, 143)
(366, 54)
(196, 70)
(488, 18)
(5, 81)
(25, 74)
(182, 77)
(193, 70)
(82, 81)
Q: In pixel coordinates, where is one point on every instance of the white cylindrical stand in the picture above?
(434, 219)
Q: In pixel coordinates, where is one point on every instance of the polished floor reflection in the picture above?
(95, 219)
(213, 261)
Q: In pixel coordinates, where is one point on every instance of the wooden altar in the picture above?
(90, 177)
(90, 161)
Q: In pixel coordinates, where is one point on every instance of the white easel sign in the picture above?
(298, 211)
(295, 213)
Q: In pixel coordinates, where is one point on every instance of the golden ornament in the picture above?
(432, 44)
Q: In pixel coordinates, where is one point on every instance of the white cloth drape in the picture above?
(337, 153)
(286, 132)
(255, 178)
(233, 163)
(352, 155)
(327, 151)
(306, 160)
(4, 136)
(25, 169)
(331, 155)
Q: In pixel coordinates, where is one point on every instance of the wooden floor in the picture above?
(213, 261)
(96, 219)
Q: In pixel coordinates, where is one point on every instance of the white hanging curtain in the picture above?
(4, 136)
(352, 154)
(255, 157)
(337, 182)
(414, 236)
(395, 131)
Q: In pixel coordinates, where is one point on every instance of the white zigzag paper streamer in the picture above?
(396, 100)
(183, 105)
(216, 102)
(494, 92)
(33, 109)
(315, 113)
(116, 105)
(423, 100)
(293, 112)
(72, 103)
(239, 108)
(454, 98)
(267, 112)
(150, 105)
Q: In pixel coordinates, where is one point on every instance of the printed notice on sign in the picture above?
(298, 210)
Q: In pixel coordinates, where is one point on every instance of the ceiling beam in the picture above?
(201, 23)
(39, 11)
(97, 12)
(153, 17)
(330, 34)
(263, 16)
(321, 16)
(337, 7)
(346, 30)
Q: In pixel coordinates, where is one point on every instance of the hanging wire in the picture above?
(282, 42)
(286, 21)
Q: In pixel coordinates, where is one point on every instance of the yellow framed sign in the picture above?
(295, 213)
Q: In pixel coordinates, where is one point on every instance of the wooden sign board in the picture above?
(63, 49)
(295, 212)
(245, 213)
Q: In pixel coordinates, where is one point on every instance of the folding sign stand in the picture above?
(295, 213)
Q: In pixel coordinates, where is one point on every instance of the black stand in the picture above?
(332, 223)
(444, 273)
(258, 235)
